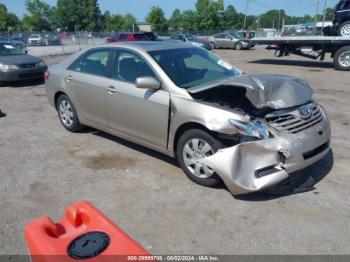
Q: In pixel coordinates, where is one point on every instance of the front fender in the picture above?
(184, 111)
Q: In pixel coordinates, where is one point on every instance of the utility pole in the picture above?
(317, 9)
(324, 12)
(279, 19)
(245, 15)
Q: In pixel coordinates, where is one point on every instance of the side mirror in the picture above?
(147, 82)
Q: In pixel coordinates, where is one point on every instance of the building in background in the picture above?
(144, 26)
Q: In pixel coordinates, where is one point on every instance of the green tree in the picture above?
(130, 23)
(210, 14)
(85, 14)
(113, 23)
(175, 21)
(8, 20)
(216, 15)
(201, 14)
(40, 15)
(188, 21)
(157, 20)
(230, 17)
(272, 18)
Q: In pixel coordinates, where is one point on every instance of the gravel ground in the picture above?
(44, 168)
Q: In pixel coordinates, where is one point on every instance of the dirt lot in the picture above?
(44, 168)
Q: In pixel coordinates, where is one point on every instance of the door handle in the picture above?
(111, 90)
(69, 78)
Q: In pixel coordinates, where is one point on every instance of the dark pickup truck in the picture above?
(341, 22)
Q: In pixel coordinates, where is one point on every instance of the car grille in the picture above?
(294, 123)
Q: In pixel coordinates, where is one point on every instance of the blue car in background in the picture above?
(193, 40)
(14, 42)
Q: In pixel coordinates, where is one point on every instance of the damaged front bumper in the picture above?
(257, 165)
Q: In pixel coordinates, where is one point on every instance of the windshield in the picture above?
(235, 35)
(188, 67)
(191, 37)
(6, 50)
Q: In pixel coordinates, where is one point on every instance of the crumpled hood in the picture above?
(264, 90)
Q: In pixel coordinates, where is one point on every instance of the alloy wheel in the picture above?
(66, 113)
(344, 59)
(345, 30)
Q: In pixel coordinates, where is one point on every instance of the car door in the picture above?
(85, 80)
(227, 41)
(234, 39)
(220, 41)
(140, 114)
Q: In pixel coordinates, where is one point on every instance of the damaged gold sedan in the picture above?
(250, 132)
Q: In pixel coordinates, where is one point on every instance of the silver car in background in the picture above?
(35, 39)
(230, 40)
(248, 131)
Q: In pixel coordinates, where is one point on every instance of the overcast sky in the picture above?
(140, 8)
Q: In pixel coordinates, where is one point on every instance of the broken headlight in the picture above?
(254, 128)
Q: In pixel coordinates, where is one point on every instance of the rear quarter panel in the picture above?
(54, 84)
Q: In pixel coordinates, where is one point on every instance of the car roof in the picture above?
(148, 45)
(129, 33)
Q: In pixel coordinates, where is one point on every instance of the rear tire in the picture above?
(341, 59)
(187, 155)
(68, 114)
(344, 29)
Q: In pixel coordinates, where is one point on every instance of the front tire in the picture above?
(344, 29)
(193, 145)
(68, 114)
(342, 59)
(238, 46)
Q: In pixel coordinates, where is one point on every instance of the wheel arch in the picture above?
(185, 127)
(57, 95)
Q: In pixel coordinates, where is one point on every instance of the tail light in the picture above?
(47, 74)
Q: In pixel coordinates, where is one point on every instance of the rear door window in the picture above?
(95, 62)
(123, 37)
(76, 65)
(140, 37)
(219, 36)
(115, 37)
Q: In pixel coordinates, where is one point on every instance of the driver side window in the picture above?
(128, 66)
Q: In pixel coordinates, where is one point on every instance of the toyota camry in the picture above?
(249, 132)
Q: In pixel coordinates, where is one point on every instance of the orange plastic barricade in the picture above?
(84, 233)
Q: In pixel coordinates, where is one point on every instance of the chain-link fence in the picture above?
(54, 43)
(59, 43)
